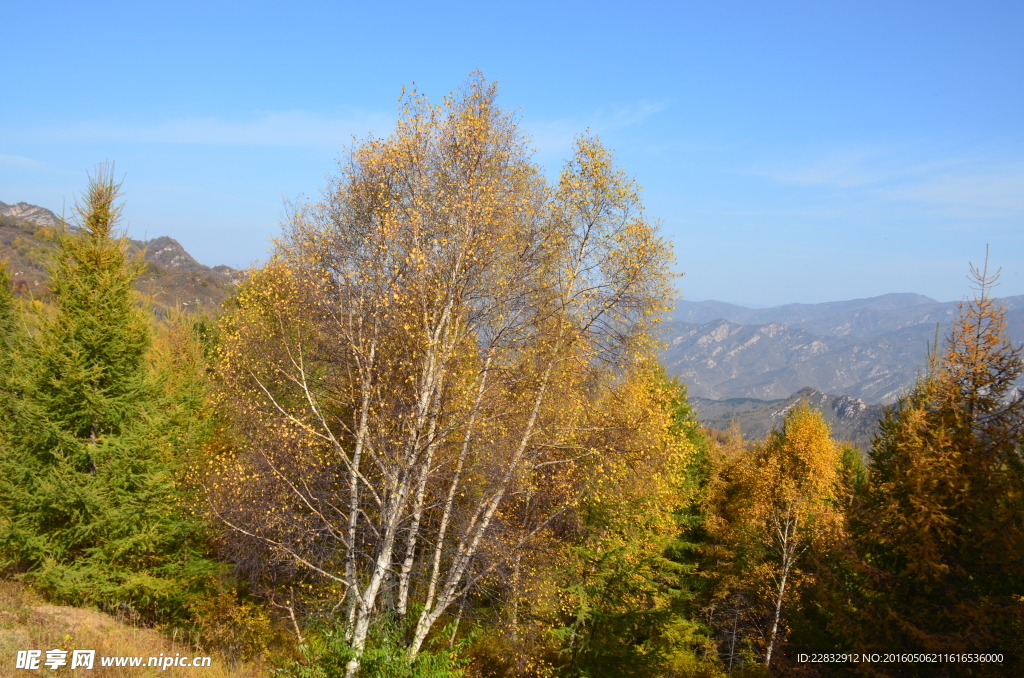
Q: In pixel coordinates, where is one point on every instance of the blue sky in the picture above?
(793, 151)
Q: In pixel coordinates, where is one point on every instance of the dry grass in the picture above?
(28, 623)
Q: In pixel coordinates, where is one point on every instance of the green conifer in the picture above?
(8, 338)
(90, 485)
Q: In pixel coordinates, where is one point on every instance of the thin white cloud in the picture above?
(19, 161)
(998, 189)
(304, 129)
(971, 185)
(281, 128)
(844, 169)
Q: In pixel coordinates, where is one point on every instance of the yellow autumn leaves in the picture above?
(768, 507)
(412, 378)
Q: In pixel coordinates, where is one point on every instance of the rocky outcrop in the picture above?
(26, 212)
(851, 419)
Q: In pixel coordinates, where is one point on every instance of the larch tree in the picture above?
(626, 595)
(410, 374)
(938, 532)
(88, 488)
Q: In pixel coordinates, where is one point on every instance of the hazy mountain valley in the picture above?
(870, 349)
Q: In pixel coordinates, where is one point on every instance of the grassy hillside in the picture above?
(27, 622)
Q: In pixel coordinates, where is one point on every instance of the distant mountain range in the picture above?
(870, 349)
(704, 311)
(172, 279)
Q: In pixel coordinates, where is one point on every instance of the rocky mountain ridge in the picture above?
(789, 314)
(866, 348)
(171, 279)
(23, 211)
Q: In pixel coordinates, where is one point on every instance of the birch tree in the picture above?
(779, 501)
(409, 374)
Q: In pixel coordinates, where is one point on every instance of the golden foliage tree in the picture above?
(602, 594)
(411, 373)
(627, 600)
(770, 505)
(939, 530)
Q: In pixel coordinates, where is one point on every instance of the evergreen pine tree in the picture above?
(633, 606)
(89, 487)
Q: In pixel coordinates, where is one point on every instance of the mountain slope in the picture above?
(870, 349)
(23, 211)
(851, 419)
(27, 622)
(172, 278)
